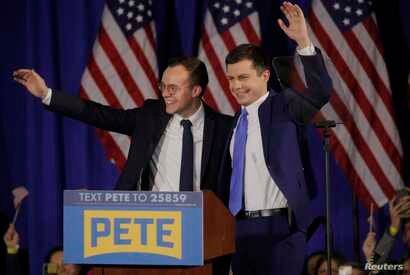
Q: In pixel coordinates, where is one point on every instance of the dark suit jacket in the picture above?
(281, 115)
(145, 125)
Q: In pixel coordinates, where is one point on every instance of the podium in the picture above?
(204, 220)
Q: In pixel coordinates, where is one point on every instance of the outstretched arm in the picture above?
(303, 105)
(100, 116)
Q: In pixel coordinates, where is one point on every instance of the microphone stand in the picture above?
(326, 125)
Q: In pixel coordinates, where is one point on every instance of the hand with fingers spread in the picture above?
(32, 81)
(296, 29)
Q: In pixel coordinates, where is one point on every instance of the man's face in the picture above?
(245, 82)
(179, 96)
(63, 269)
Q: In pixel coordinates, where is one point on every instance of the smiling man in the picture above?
(176, 141)
(267, 191)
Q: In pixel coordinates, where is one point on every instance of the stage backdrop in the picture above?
(48, 153)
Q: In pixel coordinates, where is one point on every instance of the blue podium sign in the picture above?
(133, 228)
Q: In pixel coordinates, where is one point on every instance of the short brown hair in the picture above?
(198, 74)
(248, 52)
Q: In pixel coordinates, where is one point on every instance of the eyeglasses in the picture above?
(171, 88)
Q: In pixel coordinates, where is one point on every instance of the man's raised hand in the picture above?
(32, 81)
(296, 29)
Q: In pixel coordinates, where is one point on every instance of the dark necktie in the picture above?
(238, 164)
(187, 160)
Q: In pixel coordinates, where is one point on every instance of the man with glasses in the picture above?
(176, 141)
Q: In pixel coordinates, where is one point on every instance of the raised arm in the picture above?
(95, 114)
(303, 105)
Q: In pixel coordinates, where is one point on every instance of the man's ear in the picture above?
(196, 91)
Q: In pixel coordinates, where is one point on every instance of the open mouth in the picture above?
(241, 93)
(169, 101)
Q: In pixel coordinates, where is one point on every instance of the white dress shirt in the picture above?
(260, 190)
(165, 163)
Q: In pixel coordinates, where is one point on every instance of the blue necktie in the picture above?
(187, 161)
(238, 169)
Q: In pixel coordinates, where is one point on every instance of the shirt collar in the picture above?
(253, 107)
(195, 118)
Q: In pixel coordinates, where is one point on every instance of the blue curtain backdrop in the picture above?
(48, 153)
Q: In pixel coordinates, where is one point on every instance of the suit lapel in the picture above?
(264, 119)
(208, 137)
(235, 121)
(163, 120)
(227, 154)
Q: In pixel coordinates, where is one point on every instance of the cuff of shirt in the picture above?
(13, 250)
(47, 99)
(309, 50)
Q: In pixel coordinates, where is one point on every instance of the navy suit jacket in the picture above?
(145, 126)
(281, 117)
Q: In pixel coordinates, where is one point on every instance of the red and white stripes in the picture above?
(122, 72)
(367, 146)
(214, 47)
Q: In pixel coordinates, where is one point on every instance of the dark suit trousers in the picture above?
(266, 246)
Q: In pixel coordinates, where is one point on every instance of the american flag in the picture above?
(122, 71)
(367, 146)
(228, 23)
